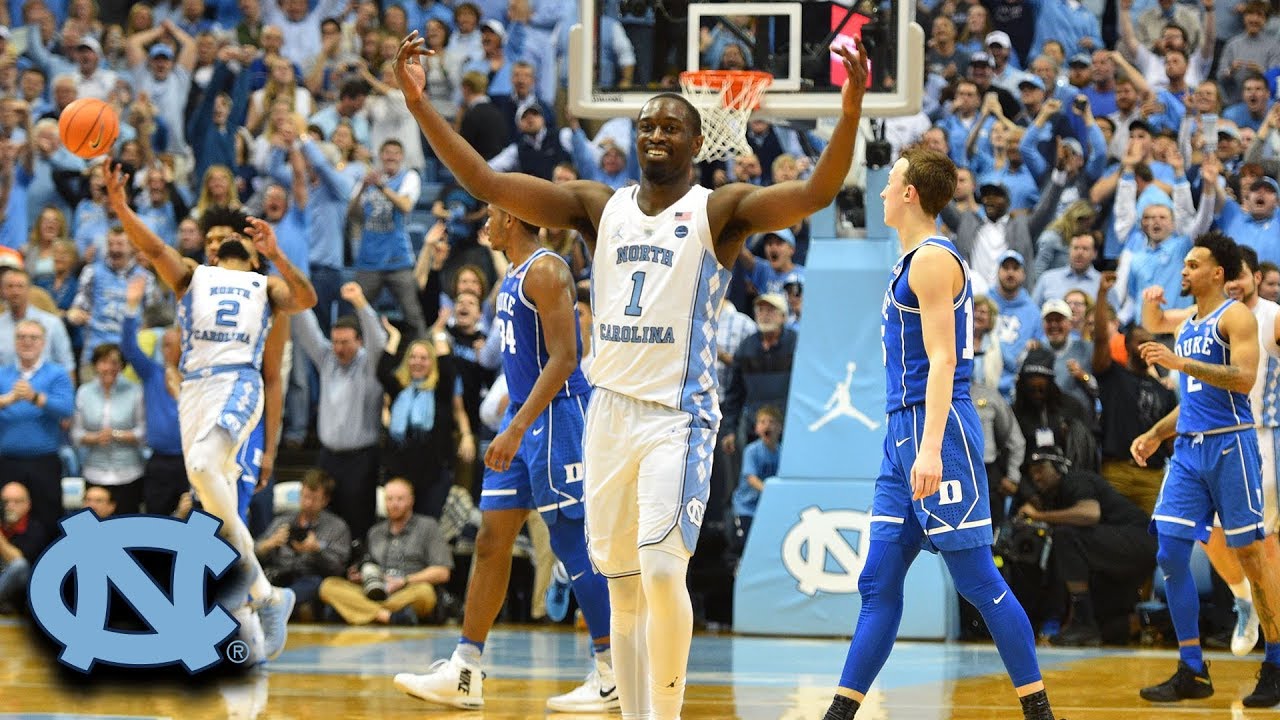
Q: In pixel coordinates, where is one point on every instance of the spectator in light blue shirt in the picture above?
(1078, 274)
(1070, 23)
(1252, 109)
(1258, 226)
(772, 272)
(759, 463)
(350, 107)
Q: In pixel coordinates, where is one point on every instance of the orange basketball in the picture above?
(89, 127)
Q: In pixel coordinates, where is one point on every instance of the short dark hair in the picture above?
(1266, 266)
(317, 479)
(347, 321)
(1256, 77)
(355, 87)
(1225, 251)
(769, 411)
(933, 175)
(690, 112)
(1179, 28)
(222, 216)
(390, 141)
(1249, 257)
(103, 351)
(331, 21)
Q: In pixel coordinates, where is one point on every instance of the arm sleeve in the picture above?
(329, 175)
(77, 421)
(375, 336)
(1125, 208)
(60, 399)
(1097, 162)
(1030, 147)
(144, 366)
(310, 337)
(60, 351)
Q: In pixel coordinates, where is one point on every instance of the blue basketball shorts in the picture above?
(249, 460)
(956, 517)
(1208, 474)
(546, 473)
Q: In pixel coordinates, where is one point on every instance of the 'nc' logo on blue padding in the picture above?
(95, 550)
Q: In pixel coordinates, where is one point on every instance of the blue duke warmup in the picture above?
(932, 489)
(1215, 466)
(535, 463)
(225, 315)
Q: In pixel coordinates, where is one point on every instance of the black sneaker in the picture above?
(1267, 693)
(1078, 635)
(1186, 684)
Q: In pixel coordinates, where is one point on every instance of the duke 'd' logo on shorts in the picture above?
(96, 551)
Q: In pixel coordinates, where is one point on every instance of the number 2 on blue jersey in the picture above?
(227, 312)
(637, 287)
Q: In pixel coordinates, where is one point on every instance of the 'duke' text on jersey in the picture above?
(645, 253)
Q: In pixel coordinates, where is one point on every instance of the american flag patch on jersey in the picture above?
(685, 215)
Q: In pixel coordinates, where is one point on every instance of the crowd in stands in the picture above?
(1095, 140)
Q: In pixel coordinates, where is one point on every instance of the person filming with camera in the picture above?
(396, 579)
(1101, 551)
(303, 547)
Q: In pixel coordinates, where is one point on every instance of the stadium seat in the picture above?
(287, 496)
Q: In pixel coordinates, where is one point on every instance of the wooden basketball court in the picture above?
(332, 672)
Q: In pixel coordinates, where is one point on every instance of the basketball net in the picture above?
(725, 98)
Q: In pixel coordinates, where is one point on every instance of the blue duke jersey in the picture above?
(1204, 406)
(524, 346)
(225, 316)
(656, 288)
(905, 360)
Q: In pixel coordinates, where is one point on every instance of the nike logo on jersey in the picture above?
(1227, 451)
(572, 578)
(997, 600)
(606, 693)
(538, 431)
(900, 442)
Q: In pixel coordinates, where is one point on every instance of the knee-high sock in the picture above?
(974, 573)
(630, 656)
(211, 466)
(670, 632)
(880, 586)
(1174, 558)
(569, 542)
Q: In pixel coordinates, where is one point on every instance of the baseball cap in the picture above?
(986, 188)
(1266, 182)
(981, 58)
(1081, 59)
(1038, 362)
(91, 43)
(784, 234)
(1032, 80)
(1229, 130)
(1073, 145)
(533, 107)
(160, 50)
(774, 299)
(1055, 306)
(1049, 453)
(999, 37)
(1012, 255)
(495, 27)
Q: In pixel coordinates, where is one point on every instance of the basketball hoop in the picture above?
(725, 98)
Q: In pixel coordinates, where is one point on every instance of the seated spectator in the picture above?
(425, 410)
(1003, 447)
(22, 538)
(408, 552)
(1072, 357)
(1047, 415)
(98, 499)
(55, 345)
(35, 398)
(301, 548)
(759, 463)
(110, 428)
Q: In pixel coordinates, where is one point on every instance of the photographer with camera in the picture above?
(396, 579)
(1097, 534)
(302, 548)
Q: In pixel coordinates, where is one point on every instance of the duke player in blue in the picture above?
(932, 488)
(662, 256)
(224, 313)
(535, 463)
(1215, 468)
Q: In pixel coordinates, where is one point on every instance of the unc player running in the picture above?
(932, 489)
(1266, 420)
(662, 258)
(1215, 468)
(534, 463)
(225, 312)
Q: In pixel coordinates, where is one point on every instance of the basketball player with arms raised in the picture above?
(535, 462)
(662, 251)
(224, 313)
(932, 488)
(1215, 468)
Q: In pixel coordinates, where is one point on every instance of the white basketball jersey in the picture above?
(1263, 397)
(655, 289)
(224, 316)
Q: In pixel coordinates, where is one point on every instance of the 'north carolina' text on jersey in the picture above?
(656, 288)
(524, 347)
(905, 360)
(1206, 407)
(224, 316)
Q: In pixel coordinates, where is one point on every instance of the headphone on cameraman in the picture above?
(1053, 455)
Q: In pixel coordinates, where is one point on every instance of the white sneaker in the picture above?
(452, 683)
(1245, 636)
(598, 693)
(251, 634)
(274, 612)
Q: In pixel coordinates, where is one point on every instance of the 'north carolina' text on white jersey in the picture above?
(1264, 398)
(225, 316)
(656, 288)
(905, 360)
(1206, 407)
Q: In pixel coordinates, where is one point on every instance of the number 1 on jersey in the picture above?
(637, 287)
(967, 352)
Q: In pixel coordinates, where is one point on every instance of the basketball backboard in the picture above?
(788, 39)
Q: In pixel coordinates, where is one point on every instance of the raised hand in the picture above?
(264, 238)
(857, 70)
(1153, 294)
(117, 182)
(411, 48)
(352, 293)
(134, 291)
